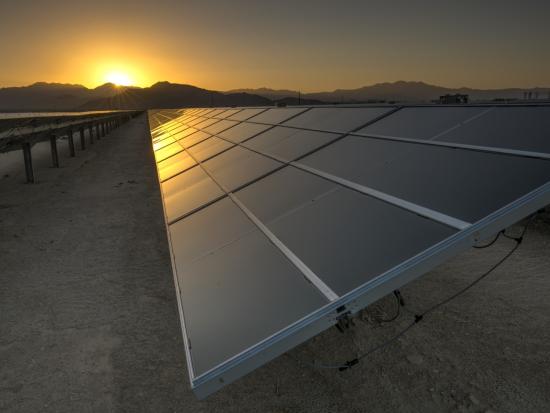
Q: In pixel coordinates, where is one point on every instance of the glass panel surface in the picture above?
(243, 131)
(520, 128)
(345, 237)
(215, 113)
(421, 122)
(336, 119)
(208, 148)
(196, 121)
(161, 144)
(211, 228)
(174, 165)
(171, 134)
(194, 138)
(221, 317)
(227, 113)
(288, 143)
(185, 133)
(220, 126)
(238, 166)
(276, 115)
(205, 123)
(164, 127)
(187, 191)
(464, 184)
(167, 151)
(207, 112)
(246, 114)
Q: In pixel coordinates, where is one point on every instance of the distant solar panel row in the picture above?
(282, 219)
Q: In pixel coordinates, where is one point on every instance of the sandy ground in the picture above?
(88, 319)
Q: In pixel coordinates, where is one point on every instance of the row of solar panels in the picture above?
(277, 215)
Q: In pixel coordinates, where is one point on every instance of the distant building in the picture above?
(453, 99)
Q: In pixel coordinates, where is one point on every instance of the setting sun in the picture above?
(119, 79)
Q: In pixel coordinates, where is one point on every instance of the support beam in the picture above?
(71, 143)
(55, 155)
(82, 140)
(91, 130)
(98, 134)
(27, 157)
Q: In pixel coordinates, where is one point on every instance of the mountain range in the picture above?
(400, 91)
(67, 97)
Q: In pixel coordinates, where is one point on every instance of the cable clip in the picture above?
(349, 364)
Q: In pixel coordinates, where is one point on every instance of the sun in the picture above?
(119, 78)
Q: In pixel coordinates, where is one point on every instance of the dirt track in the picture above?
(88, 319)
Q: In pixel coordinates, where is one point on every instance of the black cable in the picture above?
(399, 302)
(419, 317)
(490, 243)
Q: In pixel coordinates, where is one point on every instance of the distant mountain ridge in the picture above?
(43, 96)
(400, 91)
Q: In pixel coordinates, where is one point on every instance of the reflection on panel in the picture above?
(174, 165)
(463, 184)
(221, 317)
(345, 237)
(336, 119)
(168, 151)
(276, 115)
(188, 191)
(209, 148)
(205, 123)
(213, 227)
(246, 114)
(243, 131)
(238, 166)
(173, 133)
(194, 139)
(196, 121)
(422, 122)
(214, 113)
(185, 133)
(520, 128)
(227, 113)
(220, 126)
(161, 144)
(289, 143)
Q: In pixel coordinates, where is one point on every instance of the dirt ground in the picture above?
(88, 319)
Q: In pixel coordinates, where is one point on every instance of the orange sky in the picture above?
(307, 45)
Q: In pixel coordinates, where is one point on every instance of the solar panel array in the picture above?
(281, 220)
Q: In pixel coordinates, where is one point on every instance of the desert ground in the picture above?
(88, 318)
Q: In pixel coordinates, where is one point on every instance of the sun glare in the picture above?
(119, 79)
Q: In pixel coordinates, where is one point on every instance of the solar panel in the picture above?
(464, 184)
(521, 128)
(209, 148)
(227, 113)
(243, 131)
(336, 119)
(167, 151)
(194, 138)
(277, 115)
(289, 143)
(280, 220)
(246, 114)
(174, 165)
(422, 122)
(238, 166)
(187, 192)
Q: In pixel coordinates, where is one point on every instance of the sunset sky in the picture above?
(305, 45)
